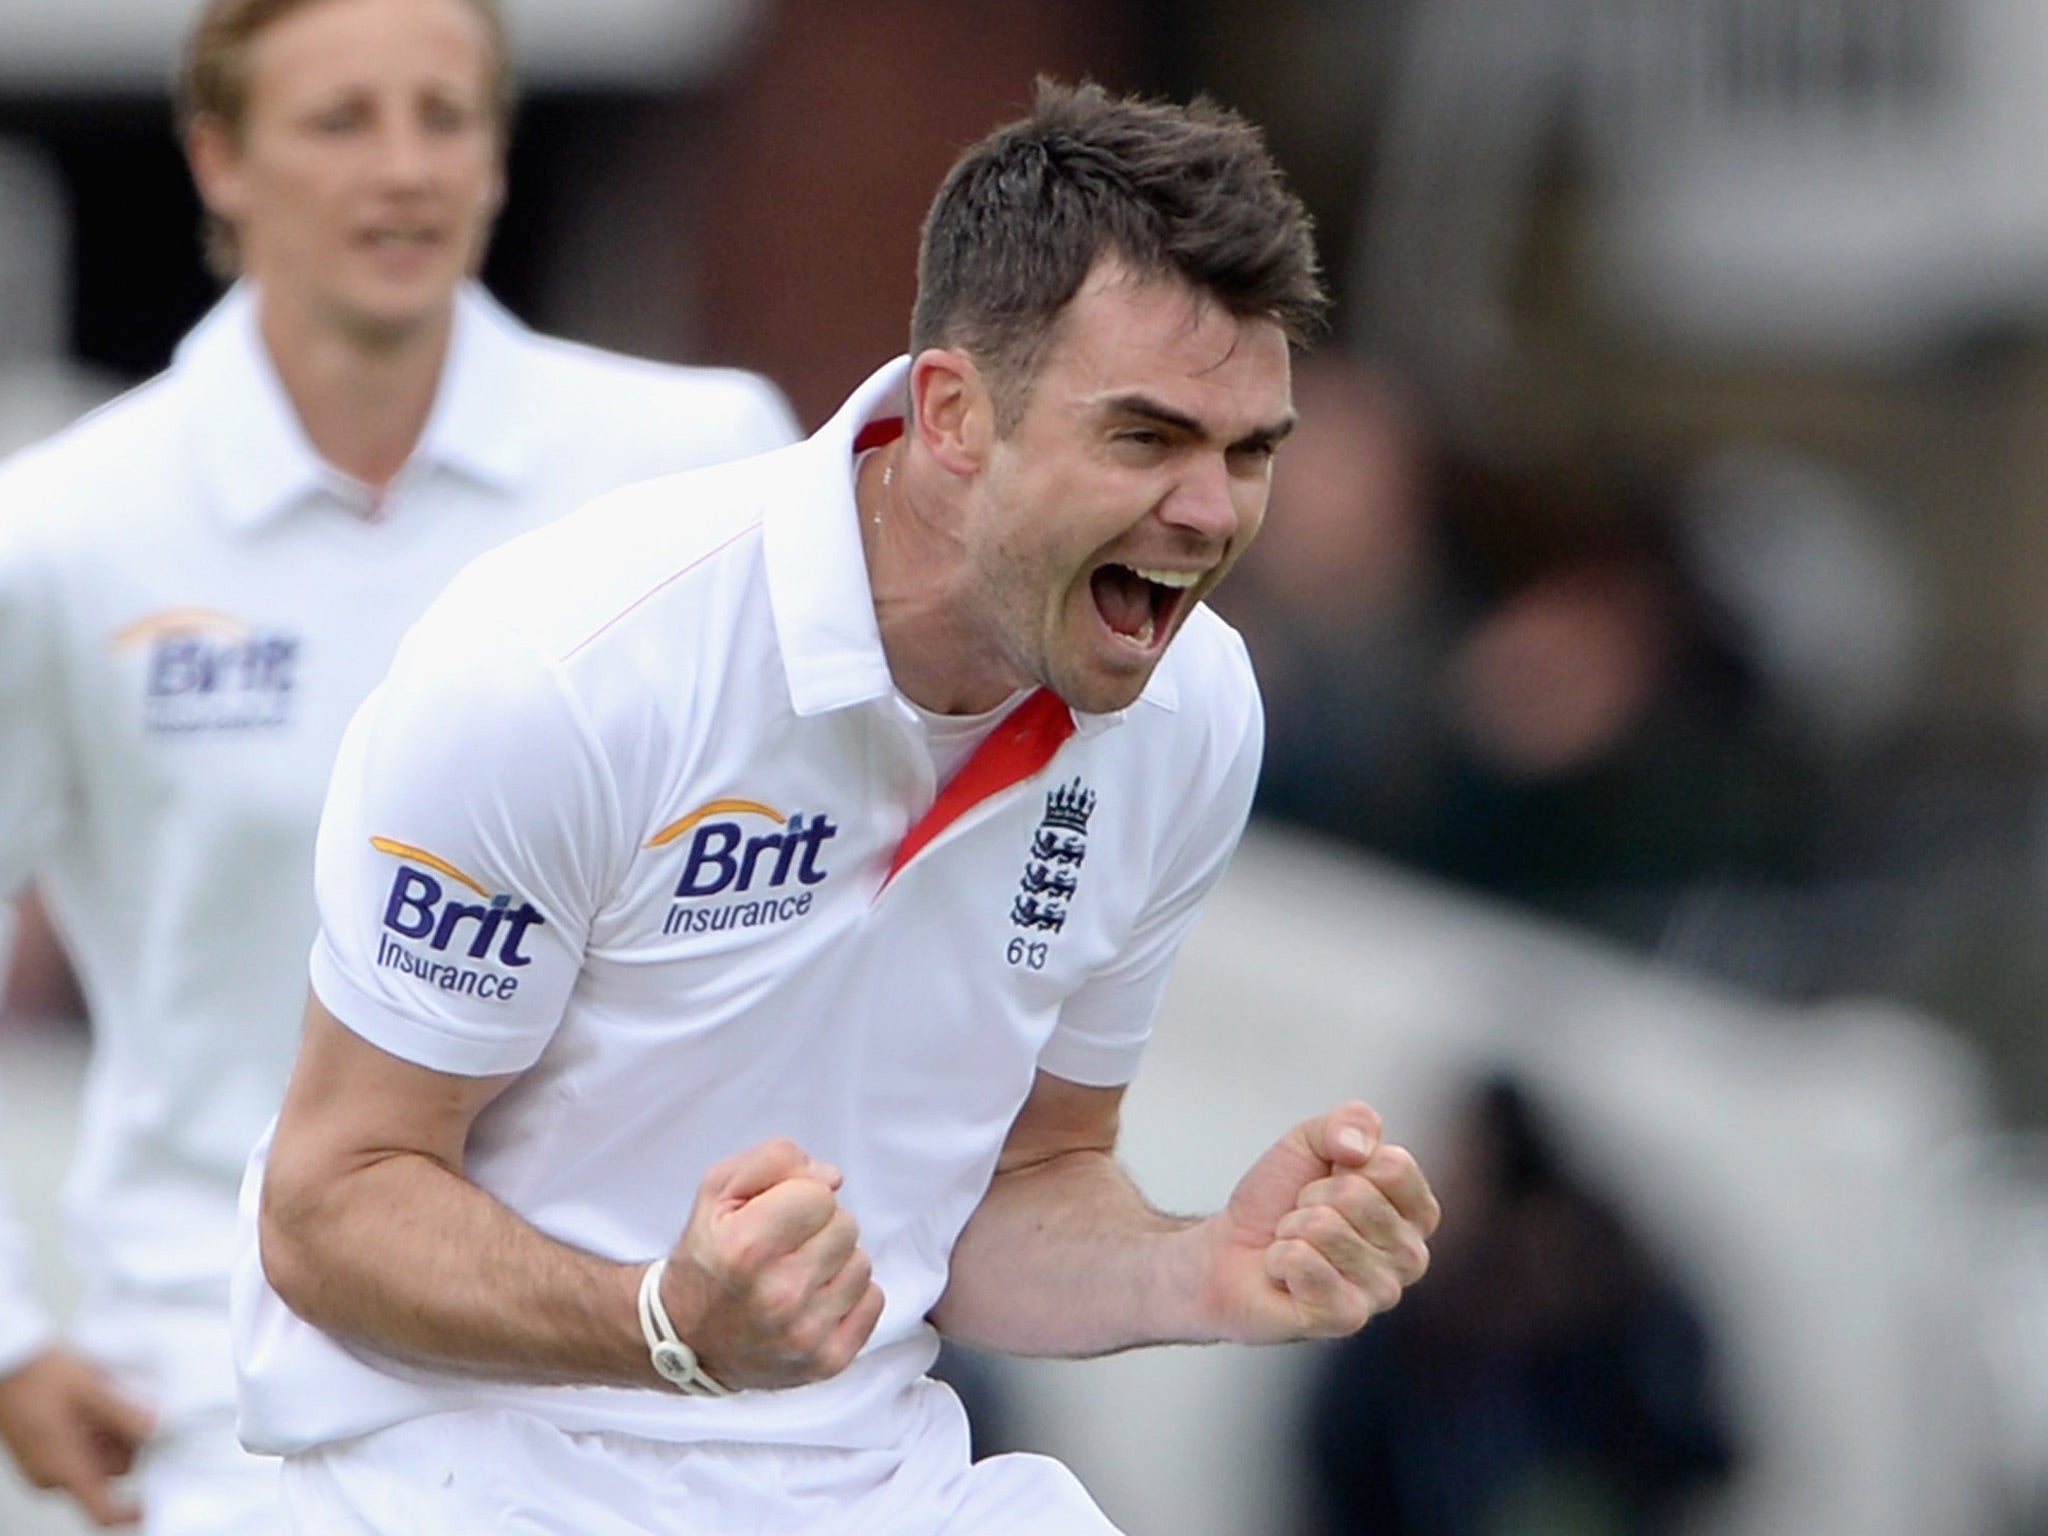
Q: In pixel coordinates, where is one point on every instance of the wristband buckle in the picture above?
(673, 1360)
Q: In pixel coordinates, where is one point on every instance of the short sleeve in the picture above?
(460, 855)
(25, 1327)
(35, 782)
(1105, 1025)
(34, 794)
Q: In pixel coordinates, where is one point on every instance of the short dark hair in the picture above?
(1175, 191)
(213, 83)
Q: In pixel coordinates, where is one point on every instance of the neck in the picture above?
(362, 396)
(939, 660)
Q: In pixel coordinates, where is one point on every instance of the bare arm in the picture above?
(1065, 1257)
(370, 1231)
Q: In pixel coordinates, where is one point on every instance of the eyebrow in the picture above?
(1145, 408)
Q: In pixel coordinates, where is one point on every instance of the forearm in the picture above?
(1066, 1258)
(404, 1255)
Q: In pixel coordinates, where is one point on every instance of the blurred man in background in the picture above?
(198, 585)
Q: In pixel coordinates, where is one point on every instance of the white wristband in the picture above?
(673, 1359)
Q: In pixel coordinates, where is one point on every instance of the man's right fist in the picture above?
(768, 1283)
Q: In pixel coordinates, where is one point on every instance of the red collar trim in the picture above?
(878, 434)
(1029, 737)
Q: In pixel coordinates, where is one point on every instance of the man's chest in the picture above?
(809, 872)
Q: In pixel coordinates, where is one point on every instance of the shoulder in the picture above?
(632, 553)
(686, 414)
(105, 468)
(623, 376)
(1197, 735)
(140, 417)
(1209, 685)
(576, 649)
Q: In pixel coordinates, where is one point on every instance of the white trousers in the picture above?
(195, 1479)
(192, 1477)
(491, 1472)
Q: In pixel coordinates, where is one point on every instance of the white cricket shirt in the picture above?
(192, 605)
(623, 819)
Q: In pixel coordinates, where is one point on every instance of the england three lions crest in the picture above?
(1052, 871)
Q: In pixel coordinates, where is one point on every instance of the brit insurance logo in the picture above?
(433, 931)
(745, 865)
(1052, 873)
(207, 671)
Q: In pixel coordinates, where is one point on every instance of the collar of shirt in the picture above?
(253, 457)
(818, 575)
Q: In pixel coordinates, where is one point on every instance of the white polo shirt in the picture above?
(623, 819)
(192, 605)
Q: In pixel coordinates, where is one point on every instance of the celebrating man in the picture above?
(745, 903)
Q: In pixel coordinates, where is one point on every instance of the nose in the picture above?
(1206, 500)
(405, 151)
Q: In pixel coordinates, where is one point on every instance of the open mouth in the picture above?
(1138, 604)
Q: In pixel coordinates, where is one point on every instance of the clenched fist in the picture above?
(1327, 1229)
(768, 1283)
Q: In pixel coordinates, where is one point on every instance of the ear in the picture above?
(950, 409)
(216, 161)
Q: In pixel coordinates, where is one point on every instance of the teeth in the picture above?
(1168, 578)
(1144, 635)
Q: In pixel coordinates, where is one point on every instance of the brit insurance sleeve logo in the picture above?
(431, 931)
(1052, 872)
(207, 671)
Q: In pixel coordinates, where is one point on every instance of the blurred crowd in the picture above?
(1631, 695)
(1659, 550)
